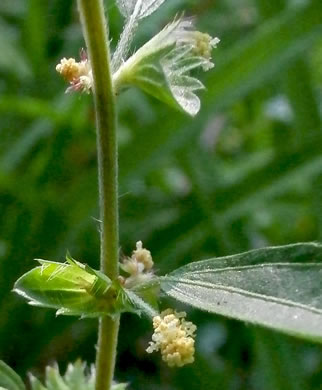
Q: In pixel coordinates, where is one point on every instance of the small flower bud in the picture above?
(143, 256)
(202, 45)
(138, 266)
(174, 337)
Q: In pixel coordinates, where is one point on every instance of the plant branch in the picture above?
(95, 32)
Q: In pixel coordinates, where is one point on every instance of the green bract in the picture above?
(77, 377)
(76, 289)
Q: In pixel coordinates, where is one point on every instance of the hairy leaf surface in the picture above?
(276, 287)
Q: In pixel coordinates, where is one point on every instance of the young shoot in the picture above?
(163, 67)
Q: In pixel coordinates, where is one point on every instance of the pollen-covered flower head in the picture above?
(78, 74)
(68, 68)
(174, 337)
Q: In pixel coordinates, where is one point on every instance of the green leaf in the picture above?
(9, 379)
(147, 7)
(156, 76)
(276, 287)
(73, 289)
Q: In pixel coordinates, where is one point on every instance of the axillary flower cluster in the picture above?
(138, 267)
(174, 337)
(78, 74)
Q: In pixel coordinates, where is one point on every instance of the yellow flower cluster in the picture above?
(174, 337)
(69, 68)
(78, 74)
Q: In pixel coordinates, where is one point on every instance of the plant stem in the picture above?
(95, 32)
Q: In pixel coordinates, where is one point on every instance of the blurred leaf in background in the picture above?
(247, 172)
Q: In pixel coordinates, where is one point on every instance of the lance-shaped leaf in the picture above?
(162, 66)
(147, 7)
(73, 289)
(276, 287)
(9, 379)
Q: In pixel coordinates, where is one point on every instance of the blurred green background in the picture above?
(247, 172)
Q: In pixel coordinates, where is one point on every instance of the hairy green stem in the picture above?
(95, 32)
